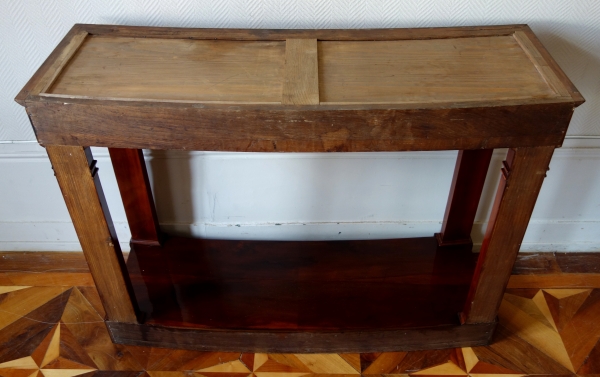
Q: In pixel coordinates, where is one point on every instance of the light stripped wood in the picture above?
(85, 201)
(58, 65)
(301, 79)
(175, 69)
(541, 64)
(412, 71)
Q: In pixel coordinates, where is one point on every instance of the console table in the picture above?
(471, 89)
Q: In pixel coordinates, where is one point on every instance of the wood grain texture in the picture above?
(527, 263)
(300, 285)
(540, 63)
(49, 278)
(65, 336)
(116, 124)
(15, 303)
(63, 59)
(43, 261)
(583, 280)
(20, 338)
(179, 36)
(465, 191)
(85, 201)
(525, 169)
(134, 186)
(175, 69)
(88, 331)
(301, 79)
(305, 342)
(573, 91)
(536, 263)
(578, 262)
(284, 34)
(462, 69)
(50, 65)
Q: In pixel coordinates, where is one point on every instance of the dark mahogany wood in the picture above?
(465, 192)
(440, 337)
(132, 178)
(301, 285)
(527, 263)
(522, 176)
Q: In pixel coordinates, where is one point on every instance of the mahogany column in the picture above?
(465, 192)
(132, 178)
(522, 176)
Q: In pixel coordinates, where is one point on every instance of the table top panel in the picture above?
(438, 70)
(494, 68)
(174, 69)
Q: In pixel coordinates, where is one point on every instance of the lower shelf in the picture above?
(294, 290)
(341, 285)
(438, 337)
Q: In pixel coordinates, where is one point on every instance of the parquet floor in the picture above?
(51, 326)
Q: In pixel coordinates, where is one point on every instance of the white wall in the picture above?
(320, 196)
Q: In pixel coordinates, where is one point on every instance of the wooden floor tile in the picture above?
(535, 332)
(383, 363)
(64, 279)
(326, 364)
(582, 332)
(57, 330)
(281, 363)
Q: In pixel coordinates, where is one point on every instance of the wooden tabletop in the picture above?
(300, 90)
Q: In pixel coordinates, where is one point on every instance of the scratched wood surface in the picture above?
(175, 70)
(493, 68)
(57, 330)
(440, 70)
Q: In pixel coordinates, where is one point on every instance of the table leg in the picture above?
(522, 176)
(465, 192)
(78, 179)
(132, 178)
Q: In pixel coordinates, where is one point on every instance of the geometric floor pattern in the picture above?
(58, 331)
